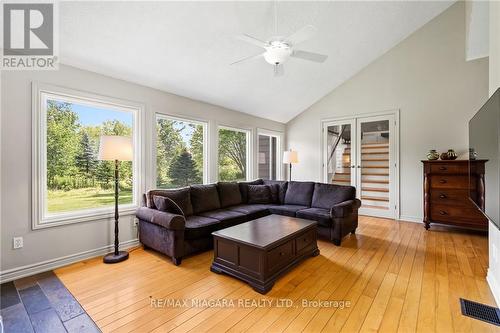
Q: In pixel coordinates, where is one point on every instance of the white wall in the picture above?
(494, 84)
(427, 78)
(15, 167)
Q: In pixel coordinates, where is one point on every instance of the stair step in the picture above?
(375, 189)
(375, 159)
(376, 207)
(374, 198)
(343, 182)
(375, 153)
(374, 167)
(375, 181)
(342, 173)
(374, 174)
(374, 145)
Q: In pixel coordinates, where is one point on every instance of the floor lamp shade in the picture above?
(115, 147)
(290, 157)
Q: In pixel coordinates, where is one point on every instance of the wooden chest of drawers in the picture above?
(451, 196)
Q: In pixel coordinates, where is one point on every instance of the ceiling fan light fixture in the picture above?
(277, 52)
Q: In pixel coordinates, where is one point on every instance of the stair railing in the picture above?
(342, 129)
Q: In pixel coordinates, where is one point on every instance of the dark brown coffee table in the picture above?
(260, 251)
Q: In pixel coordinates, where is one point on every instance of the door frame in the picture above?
(396, 114)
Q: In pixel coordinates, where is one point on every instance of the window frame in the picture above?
(206, 145)
(40, 94)
(249, 149)
(279, 151)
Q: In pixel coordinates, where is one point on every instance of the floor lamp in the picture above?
(115, 148)
(290, 157)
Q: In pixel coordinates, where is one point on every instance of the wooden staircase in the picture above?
(375, 175)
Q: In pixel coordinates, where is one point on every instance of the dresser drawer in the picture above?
(451, 182)
(445, 168)
(280, 255)
(450, 197)
(456, 214)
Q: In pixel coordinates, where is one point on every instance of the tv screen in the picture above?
(484, 143)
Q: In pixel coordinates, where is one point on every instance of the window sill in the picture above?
(96, 215)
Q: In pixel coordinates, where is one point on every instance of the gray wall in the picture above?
(56, 242)
(427, 78)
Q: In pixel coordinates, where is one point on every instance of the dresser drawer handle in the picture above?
(304, 240)
(442, 212)
(282, 253)
(443, 181)
(442, 196)
(442, 168)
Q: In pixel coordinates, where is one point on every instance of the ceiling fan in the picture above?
(278, 49)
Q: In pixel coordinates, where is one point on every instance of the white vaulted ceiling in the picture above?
(186, 47)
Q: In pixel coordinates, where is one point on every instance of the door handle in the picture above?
(353, 166)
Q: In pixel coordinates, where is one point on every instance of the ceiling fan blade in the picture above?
(253, 40)
(301, 35)
(311, 56)
(279, 70)
(247, 58)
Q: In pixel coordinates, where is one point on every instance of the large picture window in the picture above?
(71, 183)
(180, 152)
(233, 154)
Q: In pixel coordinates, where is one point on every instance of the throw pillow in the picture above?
(229, 194)
(259, 194)
(204, 198)
(167, 205)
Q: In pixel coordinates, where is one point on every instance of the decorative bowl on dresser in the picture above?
(452, 196)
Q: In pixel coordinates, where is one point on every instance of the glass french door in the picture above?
(361, 152)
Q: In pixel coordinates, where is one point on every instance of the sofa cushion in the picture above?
(299, 193)
(278, 190)
(199, 227)
(321, 215)
(204, 198)
(244, 188)
(259, 194)
(167, 205)
(252, 211)
(180, 196)
(286, 210)
(226, 217)
(328, 195)
(229, 194)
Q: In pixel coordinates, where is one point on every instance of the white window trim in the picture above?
(249, 149)
(40, 93)
(279, 150)
(206, 143)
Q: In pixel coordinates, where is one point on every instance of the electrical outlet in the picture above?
(17, 242)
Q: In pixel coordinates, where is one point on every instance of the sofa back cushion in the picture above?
(167, 205)
(244, 188)
(259, 194)
(299, 193)
(204, 198)
(229, 194)
(180, 196)
(278, 190)
(328, 195)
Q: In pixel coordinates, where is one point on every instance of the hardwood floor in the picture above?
(396, 276)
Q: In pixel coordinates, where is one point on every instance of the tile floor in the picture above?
(41, 304)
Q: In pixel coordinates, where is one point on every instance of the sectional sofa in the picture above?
(180, 222)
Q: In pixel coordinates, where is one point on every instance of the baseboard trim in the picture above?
(43, 266)
(494, 286)
(407, 218)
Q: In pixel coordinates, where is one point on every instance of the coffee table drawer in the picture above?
(305, 241)
(280, 255)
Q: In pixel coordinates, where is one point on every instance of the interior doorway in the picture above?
(362, 152)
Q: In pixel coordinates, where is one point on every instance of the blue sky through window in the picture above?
(92, 116)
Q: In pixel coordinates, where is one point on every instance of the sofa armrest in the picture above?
(345, 208)
(164, 219)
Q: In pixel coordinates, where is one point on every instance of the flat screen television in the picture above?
(484, 143)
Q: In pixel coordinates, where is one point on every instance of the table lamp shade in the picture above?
(290, 156)
(113, 147)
